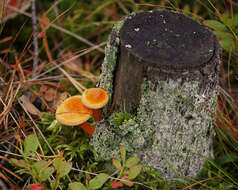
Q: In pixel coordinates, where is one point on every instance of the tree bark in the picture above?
(162, 68)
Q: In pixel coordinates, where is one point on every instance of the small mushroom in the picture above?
(95, 98)
(72, 111)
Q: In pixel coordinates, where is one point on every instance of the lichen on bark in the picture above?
(179, 116)
(172, 128)
(110, 60)
(153, 135)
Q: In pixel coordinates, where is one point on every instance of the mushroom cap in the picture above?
(72, 112)
(95, 98)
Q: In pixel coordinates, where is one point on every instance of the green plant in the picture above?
(66, 139)
(40, 170)
(129, 169)
(48, 172)
(117, 119)
(226, 31)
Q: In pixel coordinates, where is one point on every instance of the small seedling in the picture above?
(117, 119)
(129, 169)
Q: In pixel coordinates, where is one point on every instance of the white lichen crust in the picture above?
(179, 116)
(172, 132)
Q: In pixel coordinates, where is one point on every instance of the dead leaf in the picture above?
(6, 39)
(29, 106)
(44, 22)
(7, 8)
(43, 88)
(49, 95)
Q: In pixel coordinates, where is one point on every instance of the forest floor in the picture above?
(50, 50)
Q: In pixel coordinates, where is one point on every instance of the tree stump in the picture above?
(161, 67)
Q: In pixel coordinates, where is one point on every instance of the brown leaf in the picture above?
(29, 106)
(9, 6)
(49, 95)
(44, 22)
(43, 88)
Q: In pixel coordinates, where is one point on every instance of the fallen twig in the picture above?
(35, 42)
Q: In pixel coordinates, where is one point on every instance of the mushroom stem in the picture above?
(97, 116)
(88, 128)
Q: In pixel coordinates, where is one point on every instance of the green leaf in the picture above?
(53, 184)
(132, 161)
(30, 145)
(134, 171)
(216, 25)
(76, 186)
(235, 20)
(46, 173)
(62, 166)
(116, 163)
(227, 45)
(223, 35)
(226, 20)
(123, 154)
(19, 163)
(228, 158)
(41, 171)
(98, 181)
(55, 126)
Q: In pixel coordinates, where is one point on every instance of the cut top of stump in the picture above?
(169, 40)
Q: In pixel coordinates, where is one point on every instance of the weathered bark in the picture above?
(161, 67)
(160, 45)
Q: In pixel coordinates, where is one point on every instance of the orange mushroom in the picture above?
(76, 110)
(72, 112)
(95, 98)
